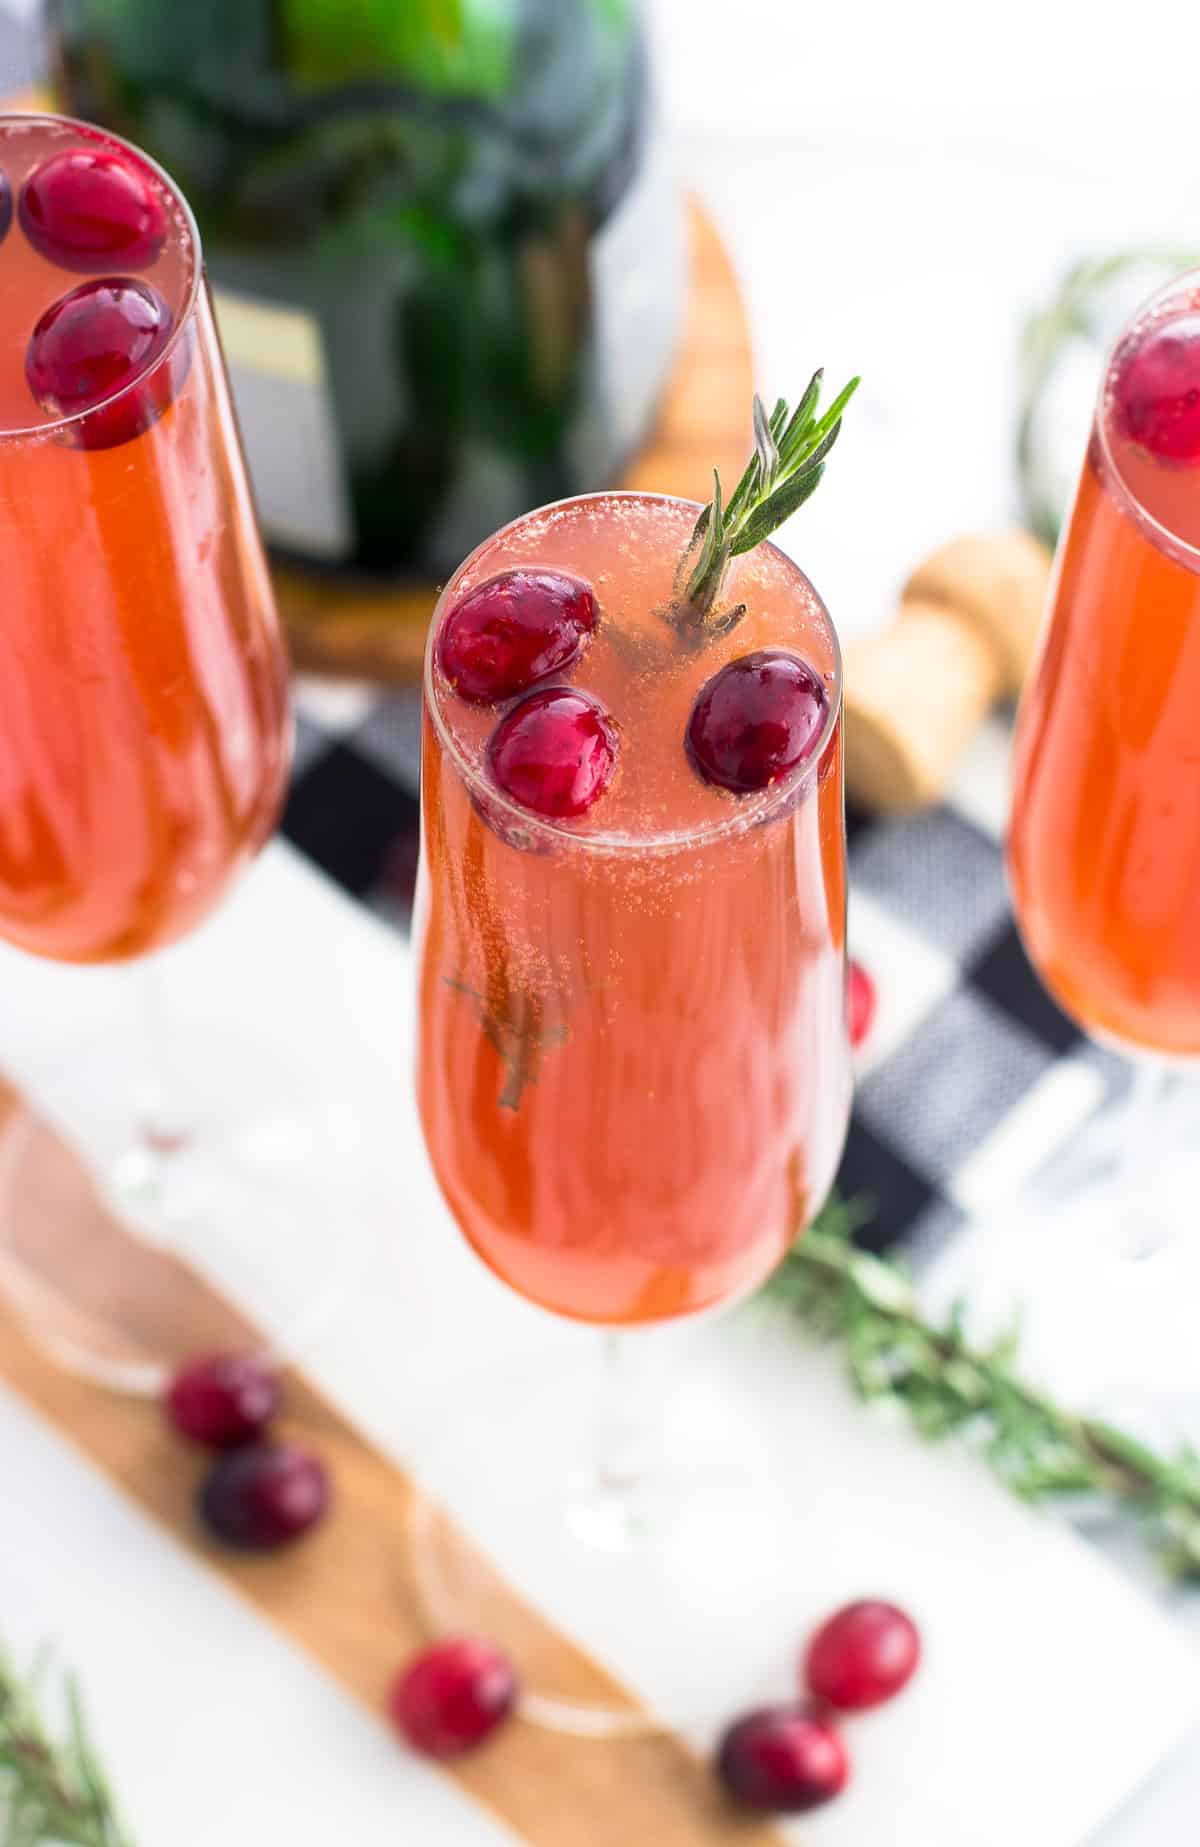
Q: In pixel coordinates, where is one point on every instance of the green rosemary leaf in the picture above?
(1003, 1352)
(1126, 1449)
(785, 468)
(50, 1793)
(713, 538)
(929, 1370)
(86, 1771)
(746, 490)
(966, 1382)
(764, 443)
(882, 1285)
(785, 501)
(805, 411)
(834, 414)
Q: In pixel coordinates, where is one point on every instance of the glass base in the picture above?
(124, 1252)
(664, 1541)
(1098, 1263)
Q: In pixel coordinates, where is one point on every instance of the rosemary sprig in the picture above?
(50, 1791)
(948, 1386)
(790, 448)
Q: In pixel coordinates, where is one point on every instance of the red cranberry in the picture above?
(783, 1760)
(453, 1696)
(1158, 389)
(515, 629)
(555, 752)
(223, 1399)
(263, 1495)
(860, 1003)
(89, 210)
(756, 720)
(862, 1656)
(6, 208)
(96, 341)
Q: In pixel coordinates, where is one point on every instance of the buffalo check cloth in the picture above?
(970, 1078)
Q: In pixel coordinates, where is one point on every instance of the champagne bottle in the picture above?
(443, 237)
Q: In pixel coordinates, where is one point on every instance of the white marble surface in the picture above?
(898, 185)
(1040, 1654)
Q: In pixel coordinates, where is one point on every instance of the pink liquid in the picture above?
(1105, 839)
(633, 1071)
(143, 708)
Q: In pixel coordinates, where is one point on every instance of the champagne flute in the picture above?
(1104, 846)
(144, 727)
(633, 1069)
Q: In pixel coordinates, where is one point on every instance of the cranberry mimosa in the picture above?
(143, 713)
(1105, 842)
(634, 1072)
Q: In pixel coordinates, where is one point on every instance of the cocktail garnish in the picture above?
(790, 449)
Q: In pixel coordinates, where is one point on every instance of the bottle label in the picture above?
(276, 360)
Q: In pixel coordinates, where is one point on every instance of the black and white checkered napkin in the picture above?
(971, 1076)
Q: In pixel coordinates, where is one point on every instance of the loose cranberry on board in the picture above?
(453, 1696)
(223, 1399)
(783, 1760)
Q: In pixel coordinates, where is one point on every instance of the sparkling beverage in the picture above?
(1105, 840)
(633, 1068)
(143, 727)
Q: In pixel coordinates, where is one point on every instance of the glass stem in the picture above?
(160, 1128)
(613, 1505)
(1144, 1129)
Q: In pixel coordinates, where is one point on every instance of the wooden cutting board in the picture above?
(347, 1593)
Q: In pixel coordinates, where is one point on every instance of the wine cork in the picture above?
(963, 637)
(998, 581)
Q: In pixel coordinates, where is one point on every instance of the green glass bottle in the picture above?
(443, 236)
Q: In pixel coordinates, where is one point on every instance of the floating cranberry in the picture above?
(6, 206)
(264, 1495)
(223, 1399)
(87, 209)
(555, 752)
(756, 719)
(1157, 392)
(860, 1003)
(783, 1760)
(95, 342)
(453, 1696)
(862, 1656)
(514, 629)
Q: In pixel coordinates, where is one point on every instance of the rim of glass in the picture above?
(91, 131)
(750, 812)
(1171, 541)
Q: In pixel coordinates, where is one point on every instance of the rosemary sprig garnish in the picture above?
(949, 1386)
(790, 448)
(50, 1791)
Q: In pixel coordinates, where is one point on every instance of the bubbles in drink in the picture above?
(647, 664)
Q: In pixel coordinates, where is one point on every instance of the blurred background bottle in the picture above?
(447, 250)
